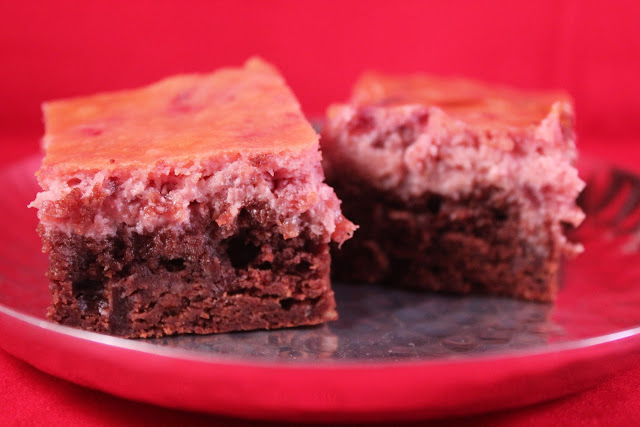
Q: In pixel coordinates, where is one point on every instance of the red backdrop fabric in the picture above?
(65, 48)
(68, 48)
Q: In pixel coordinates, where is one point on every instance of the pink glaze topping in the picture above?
(248, 109)
(143, 159)
(480, 104)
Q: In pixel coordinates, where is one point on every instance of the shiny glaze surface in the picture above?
(179, 119)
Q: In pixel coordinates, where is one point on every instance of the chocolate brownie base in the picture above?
(474, 244)
(202, 279)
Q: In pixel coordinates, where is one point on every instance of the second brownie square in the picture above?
(457, 186)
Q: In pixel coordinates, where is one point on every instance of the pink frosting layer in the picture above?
(409, 150)
(286, 188)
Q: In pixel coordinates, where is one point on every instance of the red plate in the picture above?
(394, 355)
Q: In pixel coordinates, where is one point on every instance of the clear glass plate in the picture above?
(393, 355)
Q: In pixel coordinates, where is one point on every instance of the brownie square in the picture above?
(193, 205)
(457, 186)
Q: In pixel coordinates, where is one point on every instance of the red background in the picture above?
(65, 48)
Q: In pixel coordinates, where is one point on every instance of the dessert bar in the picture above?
(457, 186)
(193, 205)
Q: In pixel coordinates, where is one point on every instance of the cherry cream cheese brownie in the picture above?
(457, 186)
(193, 205)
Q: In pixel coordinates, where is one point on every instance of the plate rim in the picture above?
(538, 366)
(331, 364)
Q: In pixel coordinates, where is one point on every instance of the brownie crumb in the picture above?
(197, 281)
(468, 245)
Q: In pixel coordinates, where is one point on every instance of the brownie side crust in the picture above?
(470, 244)
(201, 279)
